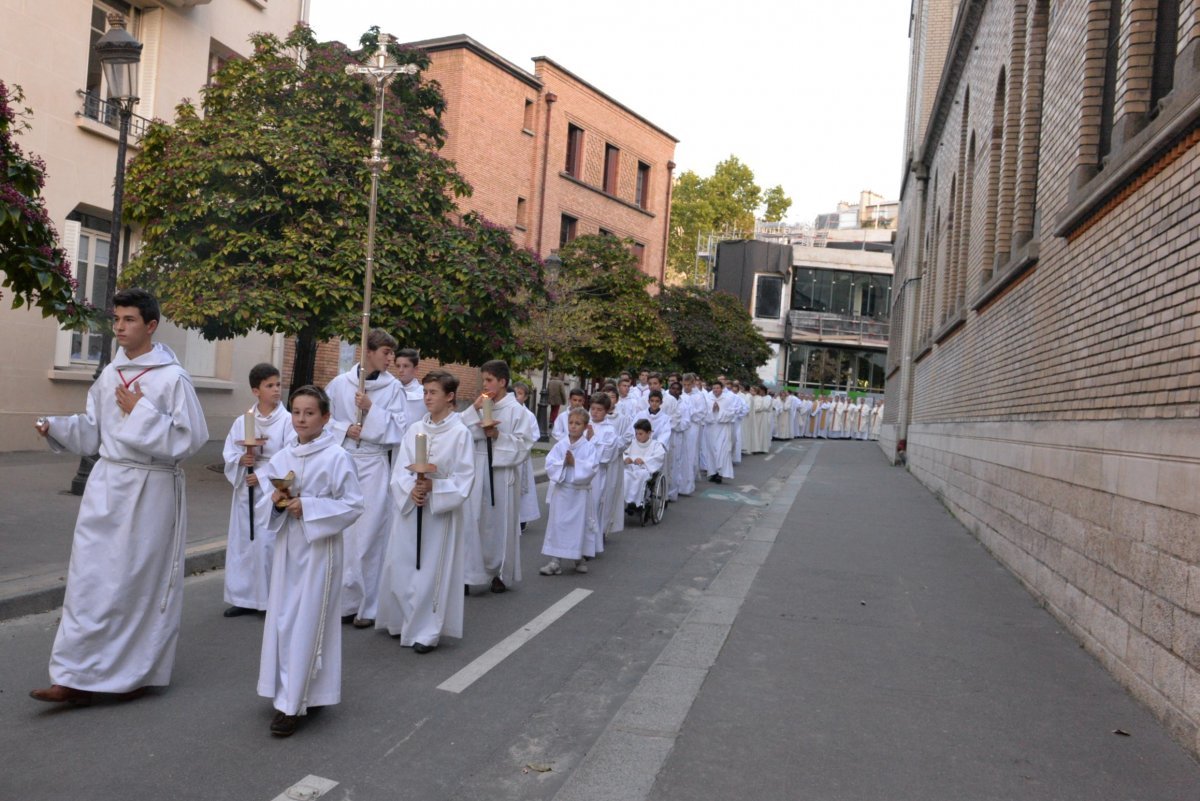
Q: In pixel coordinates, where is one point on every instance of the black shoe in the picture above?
(364, 623)
(717, 479)
(466, 589)
(422, 648)
(284, 725)
(238, 611)
(349, 618)
(498, 585)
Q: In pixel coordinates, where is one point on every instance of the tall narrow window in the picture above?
(612, 164)
(527, 122)
(1166, 40)
(639, 253)
(1108, 101)
(574, 151)
(643, 184)
(768, 297)
(567, 230)
(522, 213)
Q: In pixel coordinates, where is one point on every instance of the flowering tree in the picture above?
(255, 213)
(33, 267)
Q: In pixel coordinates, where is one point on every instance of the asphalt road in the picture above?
(516, 732)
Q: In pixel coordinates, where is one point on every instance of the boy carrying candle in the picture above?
(419, 597)
(249, 549)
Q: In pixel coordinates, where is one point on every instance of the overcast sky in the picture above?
(811, 95)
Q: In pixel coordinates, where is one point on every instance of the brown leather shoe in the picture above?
(498, 585)
(58, 693)
(363, 623)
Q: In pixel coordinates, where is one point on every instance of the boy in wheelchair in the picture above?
(643, 458)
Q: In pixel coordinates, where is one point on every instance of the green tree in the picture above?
(713, 333)
(777, 204)
(723, 203)
(599, 318)
(255, 213)
(33, 266)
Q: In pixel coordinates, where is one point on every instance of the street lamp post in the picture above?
(120, 55)
(553, 265)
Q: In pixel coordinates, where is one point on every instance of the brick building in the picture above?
(548, 155)
(1044, 366)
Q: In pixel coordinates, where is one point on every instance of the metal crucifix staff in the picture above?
(381, 69)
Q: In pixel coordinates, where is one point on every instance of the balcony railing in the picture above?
(820, 326)
(108, 113)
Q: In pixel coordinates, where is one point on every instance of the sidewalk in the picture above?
(865, 646)
(37, 520)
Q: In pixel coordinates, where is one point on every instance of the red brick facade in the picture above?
(507, 135)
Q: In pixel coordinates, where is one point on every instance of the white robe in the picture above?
(853, 413)
(876, 421)
(613, 515)
(749, 424)
(530, 510)
(766, 419)
(492, 531)
(607, 444)
(301, 662)
(741, 410)
(569, 516)
(427, 604)
(718, 433)
(124, 593)
(653, 455)
(838, 427)
(414, 400)
(824, 416)
(694, 408)
(682, 471)
(382, 429)
(247, 561)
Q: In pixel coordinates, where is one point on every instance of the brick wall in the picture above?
(1053, 406)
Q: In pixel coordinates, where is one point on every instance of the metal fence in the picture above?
(836, 326)
(108, 113)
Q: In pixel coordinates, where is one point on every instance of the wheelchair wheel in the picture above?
(658, 504)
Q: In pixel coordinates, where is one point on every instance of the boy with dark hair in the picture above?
(301, 661)
(405, 368)
(368, 425)
(248, 549)
(124, 595)
(419, 598)
(493, 525)
(645, 457)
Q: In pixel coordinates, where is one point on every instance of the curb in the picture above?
(36, 594)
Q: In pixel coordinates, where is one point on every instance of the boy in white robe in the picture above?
(603, 436)
(124, 594)
(405, 368)
(493, 512)
(575, 400)
(613, 520)
(424, 604)
(301, 662)
(248, 561)
(678, 482)
(530, 509)
(645, 457)
(721, 418)
(382, 409)
(694, 408)
(570, 468)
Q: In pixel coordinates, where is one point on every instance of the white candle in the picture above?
(422, 452)
(488, 405)
(250, 427)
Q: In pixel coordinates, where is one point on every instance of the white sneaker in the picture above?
(551, 568)
(581, 566)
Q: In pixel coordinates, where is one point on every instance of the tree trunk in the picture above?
(305, 363)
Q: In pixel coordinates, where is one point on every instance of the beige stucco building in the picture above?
(46, 49)
(1044, 366)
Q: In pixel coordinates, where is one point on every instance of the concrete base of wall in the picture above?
(1099, 520)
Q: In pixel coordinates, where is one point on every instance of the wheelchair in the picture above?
(654, 500)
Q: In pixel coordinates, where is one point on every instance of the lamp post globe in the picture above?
(120, 56)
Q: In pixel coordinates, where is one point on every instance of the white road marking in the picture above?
(506, 647)
(307, 789)
(770, 456)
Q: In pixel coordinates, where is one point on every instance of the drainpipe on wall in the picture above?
(551, 98)
(911, 309)
(662, 272)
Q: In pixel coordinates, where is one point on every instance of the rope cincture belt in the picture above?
(177, 472)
